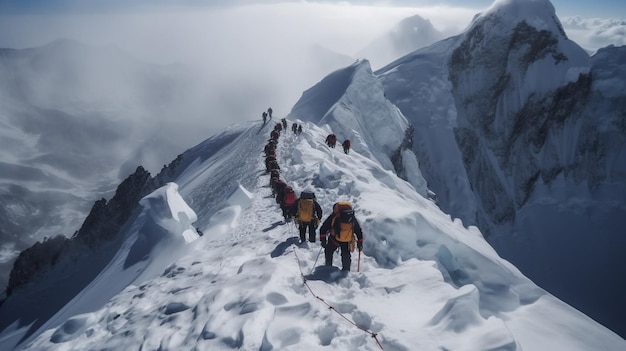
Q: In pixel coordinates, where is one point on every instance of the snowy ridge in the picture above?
(426, 282)
(351, 102)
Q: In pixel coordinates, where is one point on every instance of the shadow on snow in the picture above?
(282, 247)
(328, 274)
(272, 226)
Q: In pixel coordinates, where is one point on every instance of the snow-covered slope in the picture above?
(425, 281)
(241, 285)
(351, 103)
(517, 131)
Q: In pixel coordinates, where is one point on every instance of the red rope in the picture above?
(372, 334)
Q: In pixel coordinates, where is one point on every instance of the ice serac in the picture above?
(352, 104)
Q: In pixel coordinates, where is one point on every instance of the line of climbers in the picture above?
(266, 114)
(296, 129)
(341, 230)
(331, 141)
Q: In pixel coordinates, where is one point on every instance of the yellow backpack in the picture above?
(305, 210)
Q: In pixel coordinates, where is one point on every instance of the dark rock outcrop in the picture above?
(102, 225)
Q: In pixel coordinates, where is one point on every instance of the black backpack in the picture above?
(346, 216)
(307, 195)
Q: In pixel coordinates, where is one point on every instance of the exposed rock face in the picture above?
(106, 218)
(101, 226)
(396, 158)
(507, 112)
(36, 259)
(521, 133)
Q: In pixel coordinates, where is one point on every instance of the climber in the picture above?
(331, 140)
(307, 215)
(340, 228)
(346, 146)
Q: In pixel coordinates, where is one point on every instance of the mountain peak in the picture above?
(537, 13)
(410, 34)
(414, 23)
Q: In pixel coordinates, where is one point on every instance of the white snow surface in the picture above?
(351, 103)
(424, 281)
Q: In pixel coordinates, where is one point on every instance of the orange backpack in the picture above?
(342, 223)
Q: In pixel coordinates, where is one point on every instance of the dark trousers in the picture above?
(345, 254)
(303, 228)
(286, 211)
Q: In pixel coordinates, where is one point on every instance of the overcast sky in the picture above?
(598, 8)
(231, 33)
(260, 51)
(334, 24)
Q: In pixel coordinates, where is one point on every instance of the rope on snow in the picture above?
(330, 307)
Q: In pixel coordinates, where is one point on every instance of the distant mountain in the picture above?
(75, 120)
(410, 34)
(519, 132)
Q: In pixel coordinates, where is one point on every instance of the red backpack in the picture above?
(290, 196)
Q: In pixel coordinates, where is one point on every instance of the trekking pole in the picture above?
(358, 267)
(316, 258)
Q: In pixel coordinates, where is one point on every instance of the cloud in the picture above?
(246, 57)
(8, 253)
(232, 30)
(253, 46)
(250, 56)
(595, 33)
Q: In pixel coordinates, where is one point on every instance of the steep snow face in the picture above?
(157, 236)
(113, 247)
(585, 201)
(541, 139)
(352, 104)
(520, 133)
(515, 76)
(418, 84)
(425, 282)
